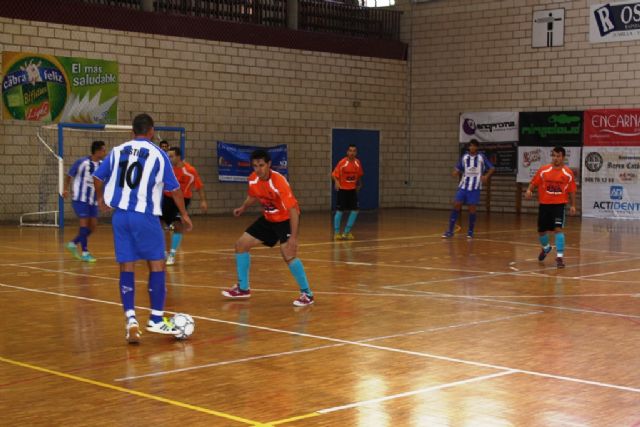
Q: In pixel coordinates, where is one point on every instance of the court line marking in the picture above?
(306, 350)
(419, 391)
(365, 345)
(393, 396)
(133, 392)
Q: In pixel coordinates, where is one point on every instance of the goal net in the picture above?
(58, 147)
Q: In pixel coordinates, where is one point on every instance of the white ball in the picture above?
(184, 324)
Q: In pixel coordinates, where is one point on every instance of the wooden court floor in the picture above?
(408, 329)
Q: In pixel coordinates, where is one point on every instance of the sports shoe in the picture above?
(236, 293)
(171, 259)
(303, 300)
(164, 327)
(560, 262)
(338, 236)
(88, 257)
(543, 253)
(447, 234)
(73, 248)
(347, 236)
(133, 331)
(470, 234)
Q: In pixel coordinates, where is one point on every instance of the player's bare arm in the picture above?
(99, 186)
(203, 200)
(487, 175)
(178, 199)
(248, 202)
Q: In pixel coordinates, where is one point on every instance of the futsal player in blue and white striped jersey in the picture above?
(79, 180)
(473, 169)
(131, 181)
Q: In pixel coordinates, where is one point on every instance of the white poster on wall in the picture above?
(548, 28)
(530, 159)
(610, 182)
(489, 126)
(614, 22)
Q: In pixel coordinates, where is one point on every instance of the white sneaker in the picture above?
(171, 259)
(164, 327)
(133, 331)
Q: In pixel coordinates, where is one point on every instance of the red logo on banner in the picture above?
(38, 112)
(620, 127)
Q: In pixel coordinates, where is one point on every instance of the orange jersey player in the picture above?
(279, 223)
(347, 179)
(556, 186)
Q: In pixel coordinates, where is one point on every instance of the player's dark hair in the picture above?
(261, 154)
(142, 124)
(352, 145)
(163, 142)
(474, 142)
(176, 150)
(96, 145)
(560, 150)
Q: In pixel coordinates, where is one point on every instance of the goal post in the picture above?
(61, 144)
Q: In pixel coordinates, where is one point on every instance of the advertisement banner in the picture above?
(489, 127)
(530, 159)
(610, 185)
(613, 127)
(503, 156)
(614, 22)
(47, 88)
(234, 161)
(548, 129)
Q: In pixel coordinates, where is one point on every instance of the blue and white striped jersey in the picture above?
(135, 174)
(81, 172)
(472, 169)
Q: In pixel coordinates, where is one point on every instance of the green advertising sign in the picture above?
(55, 89)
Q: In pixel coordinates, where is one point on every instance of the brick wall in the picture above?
(223, 91)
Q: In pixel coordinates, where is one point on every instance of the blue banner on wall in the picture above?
(234, 163)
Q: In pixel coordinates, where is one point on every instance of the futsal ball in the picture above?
(184, 324)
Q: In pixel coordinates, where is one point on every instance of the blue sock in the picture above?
(337, 219)
(544, 240)
(157, 292)
(472, 221)
(243, 262)
(176, 239)
(128, 292)
(82, 236)
(453, 218)
(350, 221)
(560, 243)
(297, 269)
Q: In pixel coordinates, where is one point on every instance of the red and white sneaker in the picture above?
(236, 293)
(303, 300)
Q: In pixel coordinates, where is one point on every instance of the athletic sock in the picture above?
(453, 218)
(544, 241)
(127, 293)
(337, 219)
(157, 292)
(472, 222)
(350, 221)
(560, 244)
(243, 262)
(176, 239)
(297, 270)
(83, 234)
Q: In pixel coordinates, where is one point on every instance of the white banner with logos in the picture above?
(614, 22)
(489, 126)
(610, 182)
(530, 159)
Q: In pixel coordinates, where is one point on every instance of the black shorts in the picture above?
(550, 217)
(270, 233)
(170, 212)
(347, 200)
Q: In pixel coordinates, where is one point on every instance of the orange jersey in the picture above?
(554, 184)
(188, 178)
(348, 173)
(275, 195)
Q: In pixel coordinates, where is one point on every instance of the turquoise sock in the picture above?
(297, 269)
(337, 219)
(175, 242)
(544, 240)
(560, 244)
(243, 262)
(350, 221)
